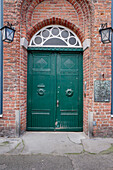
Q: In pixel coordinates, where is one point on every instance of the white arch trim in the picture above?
(55, 36)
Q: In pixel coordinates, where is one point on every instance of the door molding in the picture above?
(57, 49)
(54, 49)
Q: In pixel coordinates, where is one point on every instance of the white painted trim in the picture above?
(111, 115)
(54, 46)
(86, 44)
(50, 36)
(24, 42)
(1, 115)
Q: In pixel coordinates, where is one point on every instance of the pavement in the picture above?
(55, 143)
(56, 151)
(49, 162)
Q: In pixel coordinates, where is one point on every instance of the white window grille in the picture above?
(55, 36)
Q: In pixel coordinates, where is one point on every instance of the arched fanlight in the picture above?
(55, 36)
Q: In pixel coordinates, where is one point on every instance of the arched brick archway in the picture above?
(74, 14)
(55, 21)
(86, 4)
(84, 10)
(79, 21)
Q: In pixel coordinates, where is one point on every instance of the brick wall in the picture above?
(101, 70)
(81, 16)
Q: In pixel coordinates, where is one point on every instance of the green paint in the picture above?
(54, 49)
(55, 90)
(41, 90)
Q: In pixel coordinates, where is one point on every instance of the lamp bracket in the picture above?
(9, 24)
(103, 26)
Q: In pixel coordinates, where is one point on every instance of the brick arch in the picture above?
(87, 2)
(52, 21)
(34, 5)
(86, 5)
(82, 7)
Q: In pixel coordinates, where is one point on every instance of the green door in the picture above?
(55, 89)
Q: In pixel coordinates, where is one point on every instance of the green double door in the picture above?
(55, 90)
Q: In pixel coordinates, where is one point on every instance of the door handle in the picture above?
(57, 103)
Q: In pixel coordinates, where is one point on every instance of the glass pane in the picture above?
(55, 31)
(110, 35)
(10, 34)
(3, 34)
(71, 34)
(55, 41)
(72, 40)
(38, 33)
(32, 43)
(49, 28)
(64, 34)
(38, 40)
(55, 35)
(105, 35)
(77, 44)
(45, 33)
(61, 28)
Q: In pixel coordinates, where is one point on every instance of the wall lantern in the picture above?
(106, 33)
(8, 33)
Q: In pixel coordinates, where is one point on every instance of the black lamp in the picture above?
(8, 33)
(106, 33)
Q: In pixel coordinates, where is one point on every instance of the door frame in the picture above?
(54, 49)
(60, 49)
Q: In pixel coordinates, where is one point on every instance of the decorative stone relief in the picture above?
(101, 91)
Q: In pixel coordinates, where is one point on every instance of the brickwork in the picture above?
(81, 16)
(101, 70)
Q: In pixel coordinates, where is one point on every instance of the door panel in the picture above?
(67, 93)
(43, 91)
(55, 91)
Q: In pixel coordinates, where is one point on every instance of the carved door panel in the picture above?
(41, 91)
(68, 95)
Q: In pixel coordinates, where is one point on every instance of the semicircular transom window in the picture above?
(55, 36)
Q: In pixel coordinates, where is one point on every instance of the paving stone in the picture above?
(96, 145)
